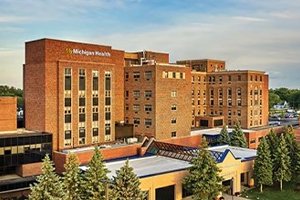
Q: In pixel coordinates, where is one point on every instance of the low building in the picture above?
(162, 169)
(21, 154)
(8, 113)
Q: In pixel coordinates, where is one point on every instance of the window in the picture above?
(220, 79)
(107, 101)
(136, 107)
(136, 93)
(239, 78)
(148, 75)
(174, 75)
(229, 92)
(136, 75)
(148, 93)
(148, 122)
(68, 135)
(126, 93)
(126, 75)
(95, 132)
(107, 115)
(229, 78)
(229, 112)
(174, 93)
(95, 101)
(67, 102)
(95, 117)
(173, 121)
(136, 120)
(95, 80)
(81, 101)
(182, 75)
(174, 107)
(239, 102)
(148, 108)
(252, 141)
(239, 113)
(67, 118)
(68, 79)
(173, 134)
(239, 91)
(82, 117)
(81, 79)
(192, 92)
(211, 102)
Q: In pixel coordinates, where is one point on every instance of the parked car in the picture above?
(274, 123)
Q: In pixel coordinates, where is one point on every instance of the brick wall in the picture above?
(85, 156)
(8, 113)
(32, 169)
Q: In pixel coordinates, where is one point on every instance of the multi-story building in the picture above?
(240, 96)
(157, 98)
(74, 91)
(78, 92)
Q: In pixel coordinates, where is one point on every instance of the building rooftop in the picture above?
(214, 131)
(165, 158)
(20, 133)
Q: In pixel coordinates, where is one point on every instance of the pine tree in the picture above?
(237, 137)
(126, 185)
(224, 136)
(282, 162)
(297, 159)
(72, 179)
(203, 180)
(263, 165)
(272, 140)
(49, 185)
(291, 143)
(95, 178)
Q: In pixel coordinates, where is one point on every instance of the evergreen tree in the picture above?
(49, 185)
(95, 178)
(291, 142)
(72, 179)
(282, 162)
(297, 159)
(263, 165)
(237, 137)
(203, 179)
(126, 185)
(272, 140)
(224, 136)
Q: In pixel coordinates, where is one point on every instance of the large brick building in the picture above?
(79, 91)
(240, 96)
(74, 91)
(157, 97)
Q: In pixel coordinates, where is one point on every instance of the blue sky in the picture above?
(248, 34)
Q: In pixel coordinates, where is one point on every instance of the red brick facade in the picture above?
(8, 113)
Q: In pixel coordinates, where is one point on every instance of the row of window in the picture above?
(147, 93)
(137, 75)
(82, 80)
(148, 122)
(147, 107)
(173, 75)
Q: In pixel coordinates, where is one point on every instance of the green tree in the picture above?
(72, 179)
(273, 99)
(95, 177)
(126, 185)
(12, 91)
(263, 165)
(272, 140)
(203, 179)
(237, 137)
(224, 136)
(282, 162)
(49, 185)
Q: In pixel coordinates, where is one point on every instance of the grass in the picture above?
(274, 193)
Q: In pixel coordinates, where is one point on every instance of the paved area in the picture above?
(229, 197)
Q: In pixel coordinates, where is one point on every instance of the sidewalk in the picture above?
(229, 197)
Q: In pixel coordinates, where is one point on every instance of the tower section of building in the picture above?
(157, 99)
(73, 90)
